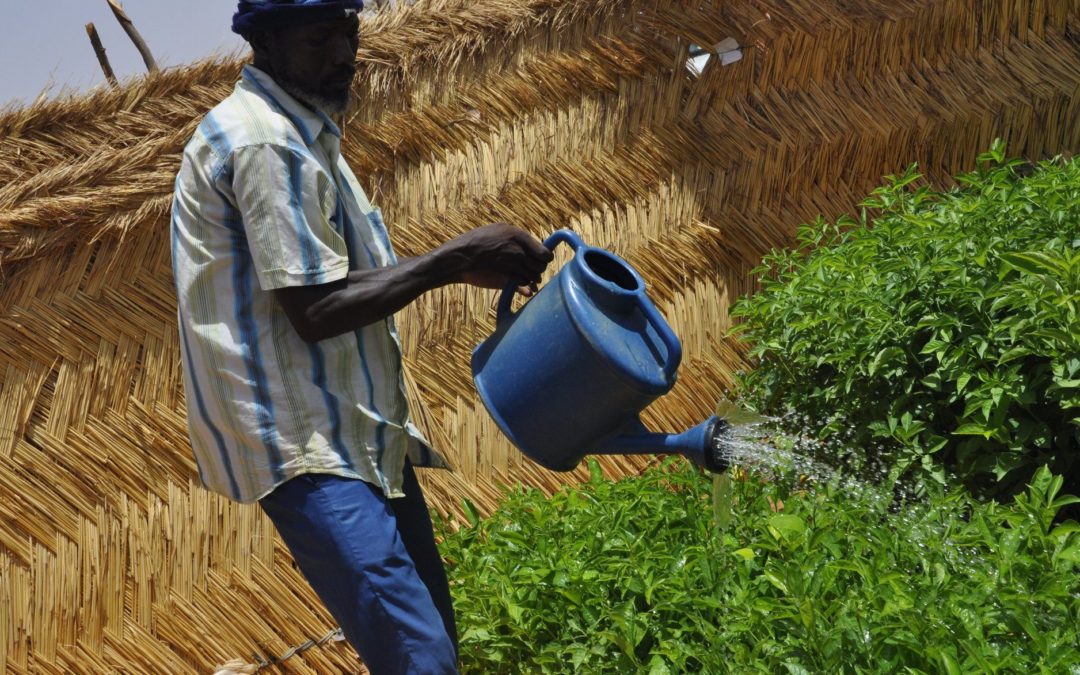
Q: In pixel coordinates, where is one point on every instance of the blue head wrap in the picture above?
(256, 14)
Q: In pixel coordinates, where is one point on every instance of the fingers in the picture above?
(531, 246)
(533, 268)
(536, 255)
(536, 249)
(509, 251)
(519, 279)
(528, 262)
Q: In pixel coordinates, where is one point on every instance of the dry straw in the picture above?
(543, 113)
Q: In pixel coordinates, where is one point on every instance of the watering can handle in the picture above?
(503, 313)
(671, 341)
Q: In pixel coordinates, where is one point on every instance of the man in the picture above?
(287, 284)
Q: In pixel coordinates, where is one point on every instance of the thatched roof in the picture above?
(543, 113)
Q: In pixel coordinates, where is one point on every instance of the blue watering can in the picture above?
(568, 374)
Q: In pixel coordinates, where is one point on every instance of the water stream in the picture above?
(757, 444)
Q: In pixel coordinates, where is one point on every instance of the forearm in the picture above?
(490, 257)
(368, 296)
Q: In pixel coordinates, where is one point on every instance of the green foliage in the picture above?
(640, 576)
(944, 326)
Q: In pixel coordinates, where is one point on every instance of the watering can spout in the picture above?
(702, 444)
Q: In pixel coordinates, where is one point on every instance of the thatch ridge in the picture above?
(543, 113)
(123, 137)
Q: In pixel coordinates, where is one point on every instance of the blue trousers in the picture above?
(374, 563)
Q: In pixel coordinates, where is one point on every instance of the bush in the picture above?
(939, 324)
(644, 575)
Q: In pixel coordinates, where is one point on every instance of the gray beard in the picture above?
(328, 106)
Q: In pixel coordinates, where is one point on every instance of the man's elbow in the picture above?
(309, 316)
(308, 331)
(310, 326)
(311, 334)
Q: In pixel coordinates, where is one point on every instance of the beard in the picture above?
(332, 104)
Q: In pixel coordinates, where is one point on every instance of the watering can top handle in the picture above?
(569, 236)
(502, 313)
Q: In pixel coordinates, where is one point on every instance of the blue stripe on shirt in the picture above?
(348, 223)
(249, 346)
(375, 220)
(308, 252)
(216, 137)
(318, 375)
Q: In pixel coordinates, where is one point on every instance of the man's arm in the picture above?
(491, 256)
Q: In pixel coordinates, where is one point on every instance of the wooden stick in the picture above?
(99, 50)
(129, 27)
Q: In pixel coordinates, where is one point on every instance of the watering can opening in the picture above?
(612, 270)
(568, 374)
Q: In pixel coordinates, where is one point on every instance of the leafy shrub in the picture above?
(947, 325)
(643, 575)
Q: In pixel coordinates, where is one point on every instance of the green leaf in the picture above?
(962, 380)
(884, 356)
(786, 526)
(1065, 529)
(471, 513)
(475, 634)
(948, 662)
(973, 429)
(573, 596)
(745, 553)
(1071, 554)
(596, 473)
(1035, 262)
(775, 581)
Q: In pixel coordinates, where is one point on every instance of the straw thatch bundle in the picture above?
(543, 113)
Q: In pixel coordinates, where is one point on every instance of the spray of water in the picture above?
(757, 442)
(798, 457)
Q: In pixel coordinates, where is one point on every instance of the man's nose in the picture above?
(342, 51)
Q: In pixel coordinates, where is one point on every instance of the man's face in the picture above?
(316, 63)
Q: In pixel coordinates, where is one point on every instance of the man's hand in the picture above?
(498, 254)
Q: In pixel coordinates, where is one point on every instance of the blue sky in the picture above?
(43, 43)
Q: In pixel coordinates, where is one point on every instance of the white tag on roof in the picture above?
(728, 50)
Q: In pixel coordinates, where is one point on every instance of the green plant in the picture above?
(646, 575)
(938, 325)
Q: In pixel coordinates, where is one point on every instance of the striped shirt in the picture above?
(264, 200)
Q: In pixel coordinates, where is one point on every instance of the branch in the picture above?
(99, 49)
(129, 28)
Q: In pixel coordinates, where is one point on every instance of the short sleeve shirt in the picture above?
(264, 201)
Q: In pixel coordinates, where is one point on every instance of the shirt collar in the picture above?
(310, 123)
